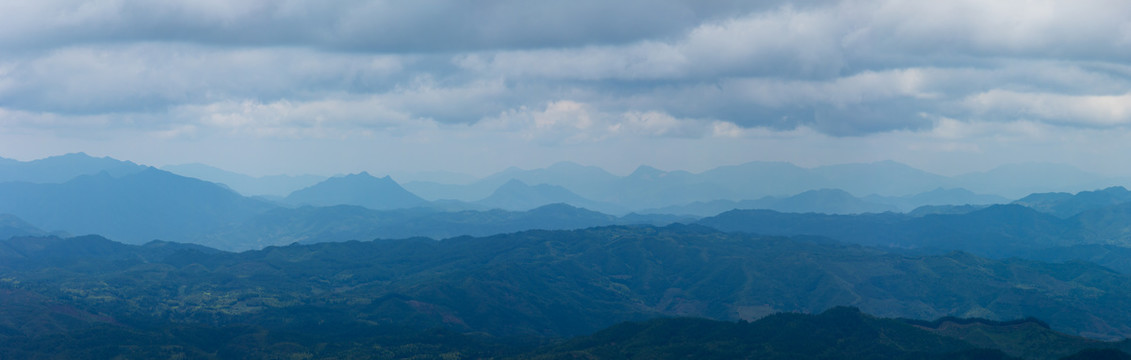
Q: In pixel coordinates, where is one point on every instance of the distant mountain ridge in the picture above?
(359, 189)
(825, 201)
(1067, 205)
(12, 226)
(137, 207)
(308, 224)
(275, 185)
(884, 182)
(62, 168)
(1034, 224)
(516, 195)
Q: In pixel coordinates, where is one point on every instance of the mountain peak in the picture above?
(77, 155)
(645, 171)
(361, 189)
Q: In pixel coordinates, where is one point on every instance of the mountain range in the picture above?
(62, 168)
(359, 189)
(357, 266)
(136, 204)
(548, 285)
(276, 186)
(138, 207)
(1098, 224)
(883, 182)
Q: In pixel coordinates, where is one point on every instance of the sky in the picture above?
(293, 87)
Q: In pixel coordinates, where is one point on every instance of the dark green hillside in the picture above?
(839, 333)
(1101, 235)
(1027, 338)
(999, 230)
(555, 283)
(89, 297)
(282, 226)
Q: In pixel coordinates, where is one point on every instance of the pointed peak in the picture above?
(646, 171)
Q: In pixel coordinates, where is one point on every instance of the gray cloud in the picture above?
(367, 26)
(663, 69)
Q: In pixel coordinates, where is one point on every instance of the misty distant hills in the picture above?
(580, 179)
(879, 186)
(835, 201)
(885, 182)
(282, 226)
(359, 189)
(1067, 205)
(1000, 230)
(58, 169)
(1034, 223)
(939, 196)
(12, 226)
(885, 178)
(515, 195)
(155, 204)
(276, 185)
(1018, 180)
(825, 201)
(138, 207)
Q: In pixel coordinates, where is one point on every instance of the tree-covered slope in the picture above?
(552, 283)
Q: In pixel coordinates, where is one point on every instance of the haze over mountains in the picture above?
(79, 194)
(878, 184)
(534, 258)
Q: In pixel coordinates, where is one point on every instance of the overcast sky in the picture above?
(267, 87)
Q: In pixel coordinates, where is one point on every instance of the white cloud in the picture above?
(572, 122)
(338, 118)
(1087, 110)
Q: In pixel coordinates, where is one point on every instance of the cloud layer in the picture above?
(561, 74)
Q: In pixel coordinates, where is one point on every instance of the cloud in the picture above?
(154, 77)
(565, 75)
(572, 122)
(382, 26)
(1096, 110)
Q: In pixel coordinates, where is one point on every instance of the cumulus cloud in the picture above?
(565, 73)
(1097, 110)
(354, 25)
(573, 122)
